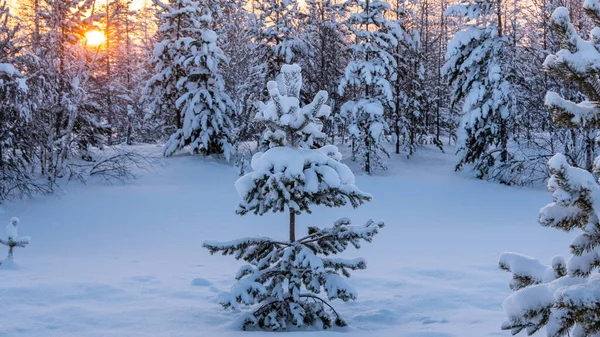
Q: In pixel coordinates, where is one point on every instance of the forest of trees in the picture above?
(401, 74)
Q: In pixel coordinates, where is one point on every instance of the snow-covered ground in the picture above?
(126, 260)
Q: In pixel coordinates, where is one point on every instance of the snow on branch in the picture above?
(529, 271)
(286, 177)
(579, 62)
(572, 114)
(289, 124)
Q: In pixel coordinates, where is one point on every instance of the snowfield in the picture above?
(126, 260)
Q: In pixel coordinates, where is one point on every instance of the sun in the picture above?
(94, 38)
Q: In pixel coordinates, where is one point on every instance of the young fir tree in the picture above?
(205, 106)
(15, 145)
(366, 78)
(564, 297)
(181, 21)
(476, 71)
(412, 105)
(283, 278)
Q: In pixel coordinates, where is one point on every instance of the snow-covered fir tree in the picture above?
(366, 128)
(182, 21)
(283, 278)
(12, 239)
(277, 38)
(14, 113)
(406, 113)
(205, 107)
(563, 297)
(476, 71)
(366, 78)
(324, 35)
(243, 74)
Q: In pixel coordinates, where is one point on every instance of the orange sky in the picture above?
(136, 4)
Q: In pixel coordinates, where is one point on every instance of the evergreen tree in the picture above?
(15, 116)
(366, 127)
(205, 106)
(277, 35)
(476, 71)
(563, 297)
(236, 27)
(292, 177)
(407, 113)
(324, 35)
(181, 21)
(367, 78)
(560, 297)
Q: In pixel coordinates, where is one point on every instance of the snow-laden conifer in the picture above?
(476, 71)
(367, 76)
(283, 278)
(181, 20)
(565, 297)
(204, 105)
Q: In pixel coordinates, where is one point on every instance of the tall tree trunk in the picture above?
(292, 225)
(503, 122)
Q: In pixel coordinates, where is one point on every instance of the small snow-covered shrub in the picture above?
(13, 239)
(283, 278)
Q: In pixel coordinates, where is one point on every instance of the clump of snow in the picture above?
(201, 282)
(297, 178)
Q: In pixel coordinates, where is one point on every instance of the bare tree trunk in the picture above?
(368, 158)
(503, 126)
(589, 149)
(292, 225)
(10, 252)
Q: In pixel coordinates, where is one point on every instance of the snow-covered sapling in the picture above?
(283, 278)
(12, 239)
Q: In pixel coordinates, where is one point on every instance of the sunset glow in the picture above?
(94, 38)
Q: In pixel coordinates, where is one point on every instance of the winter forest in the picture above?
(365, 167)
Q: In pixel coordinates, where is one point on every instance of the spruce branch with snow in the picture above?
(13, 239)
(577, 62)
(283, 278)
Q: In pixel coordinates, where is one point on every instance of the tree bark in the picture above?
(292, 225)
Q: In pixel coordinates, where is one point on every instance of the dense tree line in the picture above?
(401, 74)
